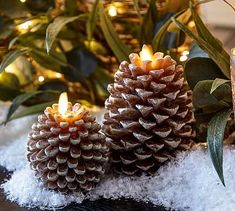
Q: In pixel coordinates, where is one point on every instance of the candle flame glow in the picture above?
(63, 103)
(146, 54)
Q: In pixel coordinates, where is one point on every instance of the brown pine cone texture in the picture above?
(67, 156)
(149, 115)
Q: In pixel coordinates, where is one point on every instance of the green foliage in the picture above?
(8, 93)
(30, 110)
(92, 20)
(20, 99)
(217, 83)
(11, 56)
(211, 102)
(159, 38)
(199, 69)
(71, 40)
(120, 50)
(149, 21)
(215, 137)
(54, 28)
(207, 36)
(215, 51)
(10, 80)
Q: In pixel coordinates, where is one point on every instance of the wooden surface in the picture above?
(99, 205)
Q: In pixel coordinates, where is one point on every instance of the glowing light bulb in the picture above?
(25, 25)
(41, 78)
(185, 53)
(191, 24)
(183, 58)
(63, 103)
(147, 53)
(58, 75)
(112, 11)
(23, 1)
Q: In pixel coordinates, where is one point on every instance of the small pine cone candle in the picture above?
(67, 151)
(149, 114)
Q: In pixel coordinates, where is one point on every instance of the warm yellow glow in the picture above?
(23, 1)
(191, 24)
(41, 78)
(11, 68)
(24, 27)
(183, 58)
(146, 54)
(63, 103)
(58, 75)
(112, 10)
(185, 53)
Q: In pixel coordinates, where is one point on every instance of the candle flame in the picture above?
(63, 103)
(147, 53)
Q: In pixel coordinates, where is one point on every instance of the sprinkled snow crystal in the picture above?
(188, 183)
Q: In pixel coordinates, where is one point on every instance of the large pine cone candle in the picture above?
(68, 154)
(149, 114)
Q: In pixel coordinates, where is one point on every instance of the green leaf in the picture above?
(12, 42)
(217, 83)
(120, 50)
(208, 37)
(159, 38)
(217, 56)
(91, 22)
(215, 135)
(149, 21)
(219, 99)
(30, 110)
(54, 28)
(8, 93)
(199, 69)
(11, 56)
(183, 18)
(21, 99)
(54, 61)
(202, 30)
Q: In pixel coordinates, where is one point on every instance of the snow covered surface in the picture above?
(188, 183)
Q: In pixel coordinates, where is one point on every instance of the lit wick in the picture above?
(146, 54)
(147, 60)
(63, 104)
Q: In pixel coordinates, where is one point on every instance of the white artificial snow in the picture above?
(14, 129)
(26, 190)
(13, 156)
(188, 183)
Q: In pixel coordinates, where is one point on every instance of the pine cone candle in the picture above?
(66, 149)
(149, 114)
